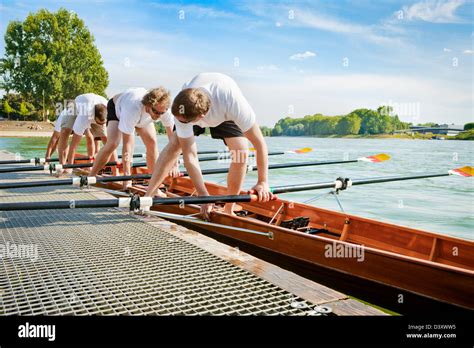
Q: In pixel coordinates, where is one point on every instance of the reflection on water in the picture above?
(443, 205)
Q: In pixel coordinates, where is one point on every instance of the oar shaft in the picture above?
(85, 158)
(275, 166)
(325, 185)
(227, 155)
(133, 203)
(15, 161)
(58, 182)
(21, 169)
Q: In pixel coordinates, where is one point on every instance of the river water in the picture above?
(444, 205)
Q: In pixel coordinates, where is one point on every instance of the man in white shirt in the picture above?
(88, 118)
(136, 109)
(214, 100)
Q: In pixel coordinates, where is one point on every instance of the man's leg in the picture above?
(114, 137)
(148, 135)
(63, 144)
(52, 144)
(238, 148)
(97, 146)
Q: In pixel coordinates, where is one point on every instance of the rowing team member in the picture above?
(135, 110)
(213, 100)
(86, 116)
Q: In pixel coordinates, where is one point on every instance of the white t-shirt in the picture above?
(227, 104)
(57, 125)
(131, 112)
(85, 111)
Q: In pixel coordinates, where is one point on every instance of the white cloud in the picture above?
(302, 56)
(327, 23)
(468, 52)
(447, 50)
(435, 11)
(196, 11)
(270, 67)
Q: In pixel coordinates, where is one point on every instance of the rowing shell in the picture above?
(428, 264)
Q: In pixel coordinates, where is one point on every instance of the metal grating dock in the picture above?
(106, 262)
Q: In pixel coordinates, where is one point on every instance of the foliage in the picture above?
(349, 124)
(7, 108)
(468, 135)
(469, 126)
(14, 106)
(23, 110)
(267, 132)
(360, 121)
(51, 56)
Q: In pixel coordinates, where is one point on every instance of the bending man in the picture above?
(89, 109)
(53, 141)
(135, 110)
(214, 100)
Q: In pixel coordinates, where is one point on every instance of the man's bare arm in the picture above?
(76, 139)
(167, 159)
(191, 162)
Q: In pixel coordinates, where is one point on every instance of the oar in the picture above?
(375, 159)
(344, 183)
(84, 181)
(37, 160)
(298, 151)
(51, 167)
(134, 203)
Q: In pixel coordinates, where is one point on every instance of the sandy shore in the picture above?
(24, 134)
(25, 129)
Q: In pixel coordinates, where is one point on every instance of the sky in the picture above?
(290, 58)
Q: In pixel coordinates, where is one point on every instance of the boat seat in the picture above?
(296, 223)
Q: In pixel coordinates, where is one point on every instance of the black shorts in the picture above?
(111, 114)
(227, 129)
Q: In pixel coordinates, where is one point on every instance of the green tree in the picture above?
(349, 124)
(277, 130)
(267, 132)
(469, 126)
(7, 108)
(385, 110)
(54, 54)
(24, 110)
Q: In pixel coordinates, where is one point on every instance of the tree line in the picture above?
(360, 121)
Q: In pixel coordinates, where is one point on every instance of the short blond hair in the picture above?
(158, 95)
(191, 103)
(100, 113)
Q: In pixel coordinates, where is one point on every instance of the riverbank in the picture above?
(24, 129)
(418, 136)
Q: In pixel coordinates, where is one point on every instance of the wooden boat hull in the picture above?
(428, 264)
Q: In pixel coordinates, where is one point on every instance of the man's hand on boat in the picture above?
(262, 190)
(206, 210)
